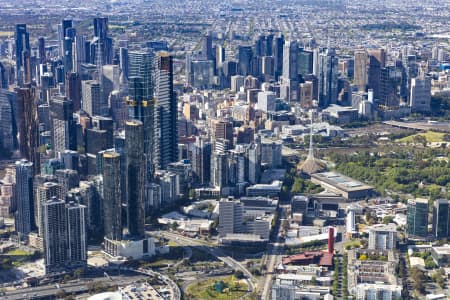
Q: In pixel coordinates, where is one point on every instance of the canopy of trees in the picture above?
(407, 171)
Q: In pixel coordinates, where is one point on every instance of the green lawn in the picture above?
(430, 136)
(205, 290)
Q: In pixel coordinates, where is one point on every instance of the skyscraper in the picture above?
(123, 61)
(277, 50)
(230, 217)
(28, 124)
(45, 192)
(111, 166)
(22, 39)
(80, 54)
(290, 56)
(7, 124)
(305, 62)
(55, 235)
(140, 100)
(166, 115)
(220, 55)
(219, 169)
(441, 219)
(24, 217)
(377, 61)
(417, 218)
(62, 34)
(101, 45)
(223, 129)
(93, 102)
(41, 50)
(67, 54)
(245, 58)
(135, 170)
(207, 49)
(63, 124)
(328, 78)
(360, 69)
(201, 160)
(420, 96)
(76, 233)
(73, 89)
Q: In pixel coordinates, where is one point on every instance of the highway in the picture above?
(77, 286)
(216, 252)
(81, 286)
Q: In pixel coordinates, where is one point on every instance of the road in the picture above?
(69, 288)
(274, 254)
(214, 251)
(175, 290)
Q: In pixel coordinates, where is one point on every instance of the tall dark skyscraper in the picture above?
(201, 161)
(73, 89)
(417, 217)
(67, 54)
(166, 131)
(140, 100)
(328, 78)
(22, 39)
(24, 218)
(278, 45)
(102, 43)
(360, 69)
(377, 61)
(111, 165)
(101, 27)
(305, 62)
(245, 58)
(135, 170)
(441, 219)
(207, 49)
(62, 33)
(41, 50)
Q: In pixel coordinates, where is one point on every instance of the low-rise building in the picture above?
(337, 183)
(266, 190)
(372, 275)
(383, 237)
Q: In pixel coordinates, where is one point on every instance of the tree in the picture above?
(78, 273)
(388, 219)
(238, 274)
(418, 278)
(174, 226)
(285, 225)
(61, 294)
(298, 186)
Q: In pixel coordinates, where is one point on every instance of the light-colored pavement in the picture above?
(214, 251)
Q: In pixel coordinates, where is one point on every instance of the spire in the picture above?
(311, 165)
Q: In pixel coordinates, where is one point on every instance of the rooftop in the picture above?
(321, 258)
(341, 181)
